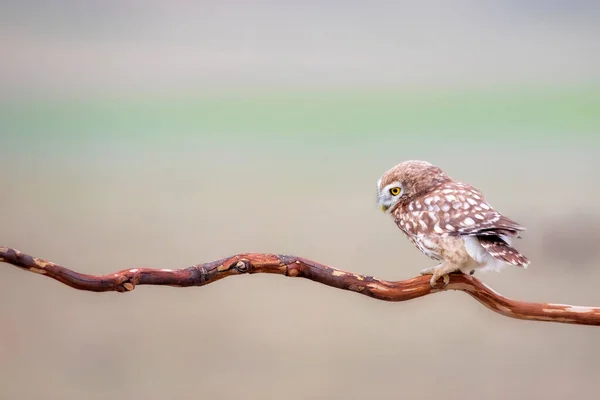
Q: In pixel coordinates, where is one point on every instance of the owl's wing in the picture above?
(456, 209)
(494, 224)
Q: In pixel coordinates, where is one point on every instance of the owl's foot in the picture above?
(430, 270)
(439, 271)
(437, 275)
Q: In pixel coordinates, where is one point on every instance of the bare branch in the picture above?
(253, 263)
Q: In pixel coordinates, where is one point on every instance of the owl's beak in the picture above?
(384, 208)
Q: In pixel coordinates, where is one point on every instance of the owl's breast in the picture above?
(430, 246)
(412, 227)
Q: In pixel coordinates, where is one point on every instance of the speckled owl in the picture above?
(449, 221)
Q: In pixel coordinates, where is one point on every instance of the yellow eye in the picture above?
(395, 191)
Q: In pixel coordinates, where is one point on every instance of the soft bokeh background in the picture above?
(164, 134)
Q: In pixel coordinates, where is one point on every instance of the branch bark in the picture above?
(253, 263)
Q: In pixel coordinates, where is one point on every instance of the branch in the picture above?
(253, 263)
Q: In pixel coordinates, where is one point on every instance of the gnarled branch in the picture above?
(253, 263)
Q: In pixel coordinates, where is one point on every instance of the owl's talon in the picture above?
(436, 277)
(432, 282)
(446, 280)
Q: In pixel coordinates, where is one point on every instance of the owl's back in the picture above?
(453, 210)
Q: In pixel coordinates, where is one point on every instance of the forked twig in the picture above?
(253, 263)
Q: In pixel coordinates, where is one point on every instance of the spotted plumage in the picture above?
(449, 221)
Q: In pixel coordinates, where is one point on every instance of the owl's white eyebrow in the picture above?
(393, 184)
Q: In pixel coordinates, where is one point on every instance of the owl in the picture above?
(449, 221)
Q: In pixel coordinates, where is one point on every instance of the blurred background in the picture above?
(165, 134)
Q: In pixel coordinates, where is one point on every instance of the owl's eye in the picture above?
(395, 191)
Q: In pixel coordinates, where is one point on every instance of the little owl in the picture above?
(449, 221)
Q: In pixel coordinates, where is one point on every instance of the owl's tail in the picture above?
(502, 251)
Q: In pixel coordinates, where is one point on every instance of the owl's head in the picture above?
(405, 181)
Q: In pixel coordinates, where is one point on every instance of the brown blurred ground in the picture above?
(270, 337)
